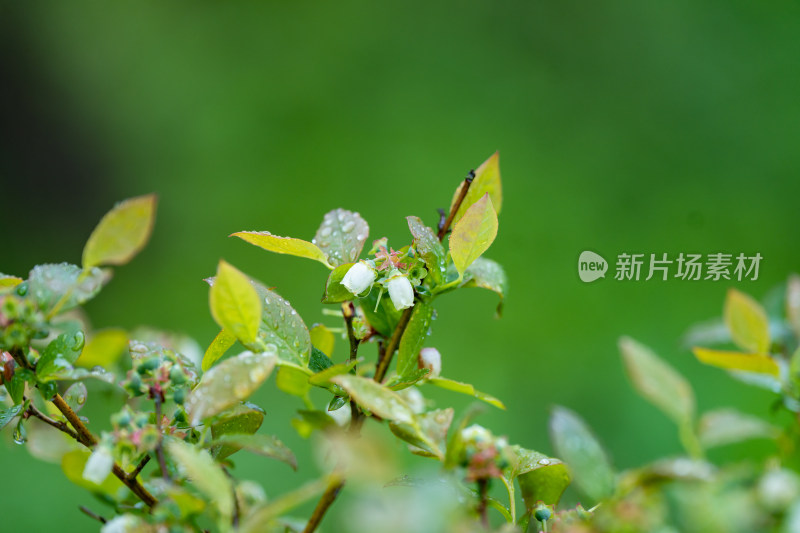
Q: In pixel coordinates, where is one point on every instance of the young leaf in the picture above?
(728, 426)
(487, 181)
(283, 245)
(265, 445)
(241, 419)
(64, 284)
(575, 443)
(335, 292)
(428, 437)
(658, 382)
(375, 397)
(282, 328)
(540, 478)
(322, 338)
(745, 362)
(121, 233)
(75, 396)
(104, 348)
(292, 381)
(414, 338)
(465, 388)
(7, 415)
(228, 383)
(341, 236)
(429, 248)
(57, 359)
(221, 344)
(747, 322)
(7, 281)
(235, 304)
(487, 274)
(205, 475)
(473, 234)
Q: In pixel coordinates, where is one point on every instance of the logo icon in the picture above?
(591, 266)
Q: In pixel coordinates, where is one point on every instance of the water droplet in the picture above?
(325, 231)
(266, 300)
(78, 340)
(361, 237)
(81, 400)
(544, 462)
(19, 434)
(348, 226)
(270, 348)
(258, 374)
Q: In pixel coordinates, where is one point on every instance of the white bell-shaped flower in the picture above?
(359, 278)
(431, 359)
(400, 291)
(99, 465)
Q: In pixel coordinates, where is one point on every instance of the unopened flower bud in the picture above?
(99, 465)
(401, 292)
(359, 278)
(431, 359)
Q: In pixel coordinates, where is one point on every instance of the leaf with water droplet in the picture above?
(658, 382)
(487, 181)
(376, 398)
(335, 292)
(204, 474)
(429, 248)
(473, 234)
(235, 304)
(65, 284)
(341, 236)
(121, 233)
(7, 415)
(75, 396)
(104, 348)
(428, 435)
(487, 274)
(282, 327)
(540, 478)
(228, 383)
(322, 339)
(241, 419)
(221, 343)
(747, 322)
(57, 358)
(576, 445)
(465, 388)
(265, 445)
(414, 339)
(283, 245)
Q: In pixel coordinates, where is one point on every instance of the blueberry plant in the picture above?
(163, 461)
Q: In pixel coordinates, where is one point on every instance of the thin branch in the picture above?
(483, 501)
(157, 399)
(348, 312)
(90, 514)
(236, 511)
(61, 426)
(444, 228)
(394, 342)
(139, 467)
(323, 504)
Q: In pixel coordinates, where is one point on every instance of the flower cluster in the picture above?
(484, 454)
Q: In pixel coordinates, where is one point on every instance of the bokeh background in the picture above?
(622, 126)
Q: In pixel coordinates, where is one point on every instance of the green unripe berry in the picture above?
(176, 375)
(543, 514)
(179, 396)
(122, 419)
(22, 288)
(180, 416)
(151, 363)
(134, 385)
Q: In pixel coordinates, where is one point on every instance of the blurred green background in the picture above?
(623, 127)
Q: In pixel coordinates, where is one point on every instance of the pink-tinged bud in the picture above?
(99, 465)
(401, 292)
(359, 278)
(431, 359)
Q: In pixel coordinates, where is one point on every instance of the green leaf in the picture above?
(414, 338)
(376, 398)
(64, 285)
(319, 361)
(282, 329)
(221, 344)
(104, 348)
(729, 426)
(57, 359)
(335, 292)
(73, 463)
(487, 181)
(241, 419)
(658, 382)
(75, 396)
(745, 362)
(383, 319)
(429, 248)
(428, 435)
(341, 236)
(235, 304)
(575, 443)
(7, 281)
(283, 245)
(226, 384)
(455, 444)
(323, 377)
(747, 322)
(16, 386)
(121, 233)
(403, 382)
(322, 338)
(541, 478)
(204, 474)
(487, 274)
(473, 234)
(7, 415)
(258, 520)
(265, 445)
(292, 381)
(465, 388)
